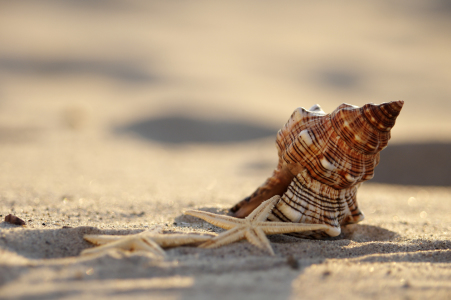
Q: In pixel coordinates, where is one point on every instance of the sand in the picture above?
(116, 117)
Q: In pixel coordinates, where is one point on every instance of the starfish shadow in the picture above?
(51, 243)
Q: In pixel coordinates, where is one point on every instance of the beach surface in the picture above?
(116, 117)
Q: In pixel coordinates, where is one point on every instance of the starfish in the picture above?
(254, 227)
(144, 241)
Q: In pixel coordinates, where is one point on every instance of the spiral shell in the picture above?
(323, 159)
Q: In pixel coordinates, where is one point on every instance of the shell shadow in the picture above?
(435, 251)
(366, 233)
(175, 129)
(415, 164)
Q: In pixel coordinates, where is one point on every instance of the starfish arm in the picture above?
(100, 239)
(227, 237)
(224, 222)
(127, 243)
(147, 244)
(282, 227)
(173, 240)
(262, 212)
(257, 237)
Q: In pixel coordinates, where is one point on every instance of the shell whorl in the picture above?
(310, 201)
(323, 159)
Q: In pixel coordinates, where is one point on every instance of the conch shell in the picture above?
(323, 159)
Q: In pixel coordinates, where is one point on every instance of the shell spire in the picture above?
(366, 129)
(383, 116)
(392, 109)
(323, 159)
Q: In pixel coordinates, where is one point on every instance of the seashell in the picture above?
(323, 159)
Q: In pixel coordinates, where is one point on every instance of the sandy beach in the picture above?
(116, 117)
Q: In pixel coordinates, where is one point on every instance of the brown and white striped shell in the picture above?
(323, 159)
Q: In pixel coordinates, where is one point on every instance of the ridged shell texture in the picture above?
(323, 159)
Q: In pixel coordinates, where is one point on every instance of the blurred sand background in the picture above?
(115, 116)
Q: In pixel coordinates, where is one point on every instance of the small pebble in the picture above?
(326, 273)
(293, 262)
(14, 220)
